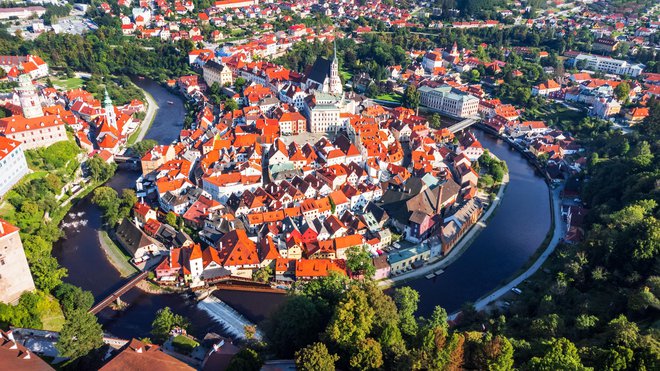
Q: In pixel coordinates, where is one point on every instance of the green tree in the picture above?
(585, 322)
(142, 147)
(263, 274)
(622, 91)
(315, 357)
(410, 97)
(239, 83)
(435, 122)
(406, 300)
(302, 325)
(359, 261)
(367, 355)
(100, 170)
(80, 335)
(245, 360)
(352, 320)
(170, 218)
(561, 355)
(73, 298)
(623, 332)
(230, 105)
(164, 322)
(46, 272)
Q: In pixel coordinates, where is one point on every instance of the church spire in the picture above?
(106, 100)
(334, 41)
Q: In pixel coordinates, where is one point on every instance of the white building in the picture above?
(15, 277)
(216, 72)
(610, 65)
(444, 100)
(322, 111)
(12, 164)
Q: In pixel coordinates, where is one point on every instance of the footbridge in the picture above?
(116, 296)
(462, 125)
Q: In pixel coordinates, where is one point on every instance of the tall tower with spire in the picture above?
(110, 116)
(335, 81)
(454, 50)
(28, 97)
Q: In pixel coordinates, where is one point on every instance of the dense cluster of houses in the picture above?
(269, 185)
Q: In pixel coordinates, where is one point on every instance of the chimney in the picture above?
(438, 205)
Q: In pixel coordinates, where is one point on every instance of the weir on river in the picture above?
(233, 321)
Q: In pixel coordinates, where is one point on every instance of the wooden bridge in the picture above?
(116, 296)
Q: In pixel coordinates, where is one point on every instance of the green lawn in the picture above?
(119, 258)
(68, 84)
(53, 320)
(7, 211)
(184, 343)
(394, 97)
(562, 116)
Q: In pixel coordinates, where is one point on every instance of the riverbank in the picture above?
(145, 125)
(115, 255)
(558, 232)
(458, 250)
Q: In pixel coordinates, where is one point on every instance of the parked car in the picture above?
(516, 290)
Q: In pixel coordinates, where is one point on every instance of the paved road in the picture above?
(558, 234)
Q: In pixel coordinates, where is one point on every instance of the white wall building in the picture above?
(444, 100)
(12, 164)
(610, 65)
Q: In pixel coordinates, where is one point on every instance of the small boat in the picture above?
(429, 276)
(437, 273)
(170, 102)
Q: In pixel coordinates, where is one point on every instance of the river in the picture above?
(513, 234)
(81, 253)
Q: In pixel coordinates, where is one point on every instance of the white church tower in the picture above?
(335, 81)
(28, 97)
(110, 116)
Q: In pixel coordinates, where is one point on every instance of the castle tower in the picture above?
(335, 81)
(110, 115)
(29, 98)
(14, 269)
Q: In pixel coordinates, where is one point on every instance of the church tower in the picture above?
(335, 81)
(29, 98)
(110, 116)
(454, 50)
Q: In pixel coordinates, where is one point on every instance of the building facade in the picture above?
(609, 65)
(12, 164)
(15, 276)
(216, 72)
(322, 111)
(444, 100)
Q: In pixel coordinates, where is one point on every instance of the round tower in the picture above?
(28, 97)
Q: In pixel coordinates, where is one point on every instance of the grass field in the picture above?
(54, 319)
(394, 97)
(184, 343)
(68, 84)
(564, 117)
(117, 256)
